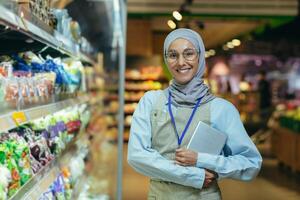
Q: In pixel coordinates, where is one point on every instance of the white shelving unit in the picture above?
(41, 181)
(59, 42)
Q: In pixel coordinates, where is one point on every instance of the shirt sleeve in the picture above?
(147, 160)
(241, 159)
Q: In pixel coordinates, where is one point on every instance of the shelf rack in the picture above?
(21, 27)
(8, 121)
(18, 34)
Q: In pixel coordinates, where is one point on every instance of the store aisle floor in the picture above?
(135, 186)
(271, 184)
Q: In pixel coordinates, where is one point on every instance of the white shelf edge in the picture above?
(7, 123)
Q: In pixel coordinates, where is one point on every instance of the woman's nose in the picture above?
(181, 59)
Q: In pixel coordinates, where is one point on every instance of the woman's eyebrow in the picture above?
(183, 49)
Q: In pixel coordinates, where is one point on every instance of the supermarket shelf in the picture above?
(58, 43)
(113, 89)
(8, 121)
(110, 112)
(141, 89)
(129, 112)
(132, 100)
(38, 184)
(160, 79)
(111, 98)
(126, 136)
(112, 125)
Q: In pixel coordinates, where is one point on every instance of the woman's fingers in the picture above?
(180, 163)
(185, 157)
(180, 152)
(181, 159)
(207, 182)
(209, 174)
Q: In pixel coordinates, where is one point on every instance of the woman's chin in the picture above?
(183, 81)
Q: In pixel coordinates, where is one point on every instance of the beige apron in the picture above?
(164, 140)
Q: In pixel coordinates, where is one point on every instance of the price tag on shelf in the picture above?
(19, 117)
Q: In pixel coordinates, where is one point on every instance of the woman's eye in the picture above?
(172, 55)
(189, 53)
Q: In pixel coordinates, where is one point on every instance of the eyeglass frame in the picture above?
(166, 56)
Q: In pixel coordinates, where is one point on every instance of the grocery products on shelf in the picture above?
(247, 104)
(49, 90)
(17, 17)
(28, 79)
(133, 96)
(129, 108)
(146, 85)
(128, 120)
(290, 116)
(37, 9)
(72, 167)
(145, 73)
(27, 149)
(139, 81)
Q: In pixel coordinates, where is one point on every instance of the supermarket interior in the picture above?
(72, 73)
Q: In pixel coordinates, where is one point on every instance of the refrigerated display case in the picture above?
(37, 95)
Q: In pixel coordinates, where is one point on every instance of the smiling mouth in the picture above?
(184, 70)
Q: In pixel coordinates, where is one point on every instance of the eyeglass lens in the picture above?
(188, 54)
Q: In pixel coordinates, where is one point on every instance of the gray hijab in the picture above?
(187, 95)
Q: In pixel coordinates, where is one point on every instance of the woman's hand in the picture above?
(185, 157)
(209, 178)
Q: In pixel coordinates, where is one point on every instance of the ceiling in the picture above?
(213, 31)
(217, 7)
(216, 20)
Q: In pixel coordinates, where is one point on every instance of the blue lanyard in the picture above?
(179, 139)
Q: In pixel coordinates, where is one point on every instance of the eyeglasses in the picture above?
(188, 54)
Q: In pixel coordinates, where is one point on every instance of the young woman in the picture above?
(164, 122)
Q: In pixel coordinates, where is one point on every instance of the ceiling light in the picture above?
(225, 48)
(230, 45)
(206, 54)
(212, 52)
(29, 41)
(236, 42)
(171, 24)
(177, 15)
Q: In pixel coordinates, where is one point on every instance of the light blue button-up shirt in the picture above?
(240, 158)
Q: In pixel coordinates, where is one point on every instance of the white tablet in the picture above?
(206, 139)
